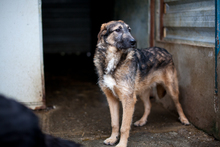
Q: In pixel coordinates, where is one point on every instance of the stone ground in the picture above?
(77, 110)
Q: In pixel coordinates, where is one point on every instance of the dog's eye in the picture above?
(118, 30)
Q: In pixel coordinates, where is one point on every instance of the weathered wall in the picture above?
(194, 60)
(216, 128)
(195, 67)
(136, 14)
(21, 52)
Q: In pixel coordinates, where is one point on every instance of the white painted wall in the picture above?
(21, 51)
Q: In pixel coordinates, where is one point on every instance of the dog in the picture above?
(19, 127)
(126, 72)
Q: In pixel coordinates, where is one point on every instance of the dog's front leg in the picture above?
(114, 111)
(128, 104)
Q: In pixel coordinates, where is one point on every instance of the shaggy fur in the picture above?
(19, 128)
(125, 72)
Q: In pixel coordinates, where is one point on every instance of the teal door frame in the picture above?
(217, 35)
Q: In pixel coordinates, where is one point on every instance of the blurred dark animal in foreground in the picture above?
(19, 127)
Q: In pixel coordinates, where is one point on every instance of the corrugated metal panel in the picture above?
(189, 21)
(66, 26)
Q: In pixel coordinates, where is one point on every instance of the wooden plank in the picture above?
(66, 23)
(161, 19)
(191, 34)
(202, 13)
(66, 13)
(66, 39)
(189, 21)
(180, 6)
(66, 5)
(64, 1)
(67, 48)
(176, 23)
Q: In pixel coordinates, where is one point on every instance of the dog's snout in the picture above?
(132, 42)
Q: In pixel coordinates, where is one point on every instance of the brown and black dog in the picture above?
(125, 72)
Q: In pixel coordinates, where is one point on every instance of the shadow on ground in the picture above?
(78, 111)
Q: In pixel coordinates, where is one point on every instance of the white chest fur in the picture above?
(112, 58)
(109, 82)
(110, 66)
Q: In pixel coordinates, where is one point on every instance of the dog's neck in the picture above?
(113, 56)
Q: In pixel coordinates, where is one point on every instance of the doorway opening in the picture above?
(70, 29)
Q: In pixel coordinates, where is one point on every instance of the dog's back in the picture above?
(152, 59)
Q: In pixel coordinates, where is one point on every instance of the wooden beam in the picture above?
(161, 19)
(152, 20)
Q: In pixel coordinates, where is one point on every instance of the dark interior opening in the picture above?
(70, 29)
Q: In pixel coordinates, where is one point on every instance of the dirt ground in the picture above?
(78, 111)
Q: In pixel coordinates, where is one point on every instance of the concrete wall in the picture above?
(216, 128)
(136, 14)
(21, 58)
(195, 67)
(195, 63)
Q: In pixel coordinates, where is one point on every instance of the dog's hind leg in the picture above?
(128, 104)
(145, 97)
(114, 111)
(173, 90)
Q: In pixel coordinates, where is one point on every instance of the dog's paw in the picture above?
(184, 121)
(111, 140)
(140, 123)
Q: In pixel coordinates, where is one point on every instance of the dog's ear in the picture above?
(103, 31)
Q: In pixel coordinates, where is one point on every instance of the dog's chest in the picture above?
(110, 66)
(109, 82)
(108, 79)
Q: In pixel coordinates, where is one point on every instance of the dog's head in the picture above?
(117, 34)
